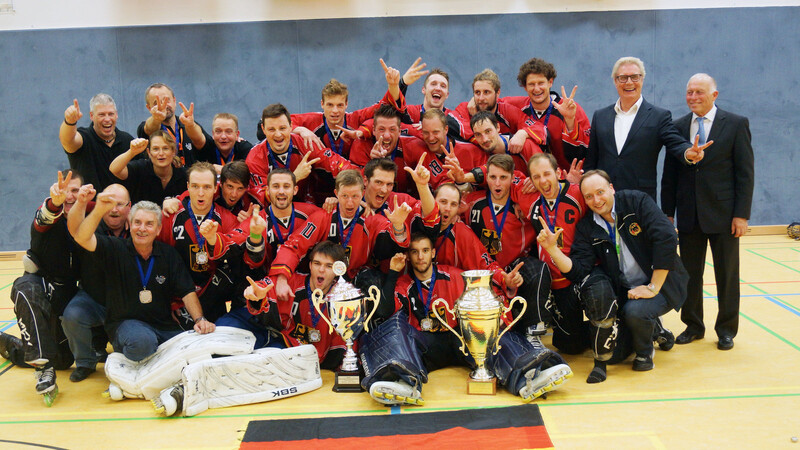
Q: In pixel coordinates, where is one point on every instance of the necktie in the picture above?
(701, 130)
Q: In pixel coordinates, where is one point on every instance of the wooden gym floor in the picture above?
(697, 396)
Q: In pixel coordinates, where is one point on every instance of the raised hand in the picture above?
(58, 191)
(245, 214)
(398, 262)
(567, 107)
(209, 231)
(330, 204)
(575, 171)
(420, 174)
(377, 151)
(159, 110)
(546, 238)
(454, 170)
(86, 193)
(392, 74)
(106, 201)
(170, 206)
(514, 279)
(139, 145)
(73, 113)
(255, 292)
(257, 223)
(187, 118)
(696, 153)
(398, 215)
(415, 72)
(350, 135)
(303, 169)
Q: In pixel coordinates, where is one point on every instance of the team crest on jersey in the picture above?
(188, 146)
(300, 333)
(635, 229)
(194, 249)
(491, 241)
(560, 239)
(160, 279)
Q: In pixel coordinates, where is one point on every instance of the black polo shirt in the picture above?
(169, 280)
(144, 184)
(211, 154)
(93, 276)
(186, 148)
(94, 156)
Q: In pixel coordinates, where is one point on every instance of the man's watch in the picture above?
(652, 288)
(200, 319)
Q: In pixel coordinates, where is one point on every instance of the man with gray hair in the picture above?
(627, 137)
(713, 202)
(142, 277)
(91, 149)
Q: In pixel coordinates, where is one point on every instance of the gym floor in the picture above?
(697, 396)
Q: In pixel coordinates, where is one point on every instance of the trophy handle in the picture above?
(316, 299)
(375, 296)
(505, 310)
(444, 321)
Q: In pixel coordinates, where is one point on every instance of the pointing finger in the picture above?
(75, 102)
(252, 283)
(313, 161)
(545, 228)
(519, 266)
(385, 67)
(421, 161)
(256, 209)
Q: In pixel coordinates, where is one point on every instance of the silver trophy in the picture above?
(479, 312)
(346, 307)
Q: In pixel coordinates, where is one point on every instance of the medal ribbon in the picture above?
(145, 278)
(426, 301)
(314, 316)
(614, 235)
(338, 149)
(221, 159)
(177, 135)
(444, 237)
(552, 226)
(201, 241)
(345, 241)
(276, 225)
(274, 161)
(498, 227)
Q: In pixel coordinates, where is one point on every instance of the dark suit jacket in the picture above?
(635, 166)
(649, 236)
(718, 188)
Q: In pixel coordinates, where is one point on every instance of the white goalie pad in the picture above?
(265, 375)
(147, 378)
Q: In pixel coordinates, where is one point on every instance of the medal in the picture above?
(314, 335)
(498, 226)
(202, 257)
(426, 324)
(145, 296)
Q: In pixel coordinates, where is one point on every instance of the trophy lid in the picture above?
(343, 289)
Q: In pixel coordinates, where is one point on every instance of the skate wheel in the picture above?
(50, 397)
(113, 392)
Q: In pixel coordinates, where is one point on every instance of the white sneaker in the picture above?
(537, 384)
(395, 393)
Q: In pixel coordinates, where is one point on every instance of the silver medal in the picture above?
(145, 296)
(426, 324)
(314, 335)
(202, 257)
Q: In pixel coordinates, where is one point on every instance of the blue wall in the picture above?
(240, 68)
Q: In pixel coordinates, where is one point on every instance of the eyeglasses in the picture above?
(624, 78)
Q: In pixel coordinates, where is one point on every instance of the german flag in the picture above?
(510, 427)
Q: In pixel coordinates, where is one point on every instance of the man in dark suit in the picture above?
(627, 137)
(713, 201)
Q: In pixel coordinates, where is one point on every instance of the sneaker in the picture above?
(45, 380)
(7, 342)
(80, 374)
(537, 384)
(644, 363)
(395, 393)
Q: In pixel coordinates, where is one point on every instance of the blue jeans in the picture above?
(242, 319)
(640, 316)
(137, 340)
(81, 314)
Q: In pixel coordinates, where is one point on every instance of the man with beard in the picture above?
(91, 150)
(414, 335)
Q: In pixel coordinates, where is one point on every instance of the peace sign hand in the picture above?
(159, 110)
(415, 72)
(187, 118)
(420, 174)
(58, 191)
(546, 238)
(695, 153)
(567, 107)
(303, 169)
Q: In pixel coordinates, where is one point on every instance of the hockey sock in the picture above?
(598, 373)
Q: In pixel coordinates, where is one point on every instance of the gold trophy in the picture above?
(479, 312)
(346, 307)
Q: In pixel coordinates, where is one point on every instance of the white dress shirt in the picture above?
(627, 263)
(623, 122)
(708, 121)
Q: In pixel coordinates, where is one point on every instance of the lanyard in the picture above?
(345, 241)
(314, 316)
(552, 226)
(274, 161)
(276, 224)
(336, 148)
(221, 160)
(444, 238)
(614, 236)
(426, 301)
(201, 241)
(546, 113)
(505, 142)
(145, 278)
(177, 135)
(498, 227)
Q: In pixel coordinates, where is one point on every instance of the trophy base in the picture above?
(347, 382)
(481, 387)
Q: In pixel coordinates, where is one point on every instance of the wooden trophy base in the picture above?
(347, 382)
(480, 387)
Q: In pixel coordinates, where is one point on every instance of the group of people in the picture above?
(179, 229)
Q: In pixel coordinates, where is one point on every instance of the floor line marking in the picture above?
(773, 261)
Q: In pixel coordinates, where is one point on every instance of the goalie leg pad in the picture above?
(535, 289)
(265, 375)
(390, 352)
(600, 304)
(147, 378)
(518, 356)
